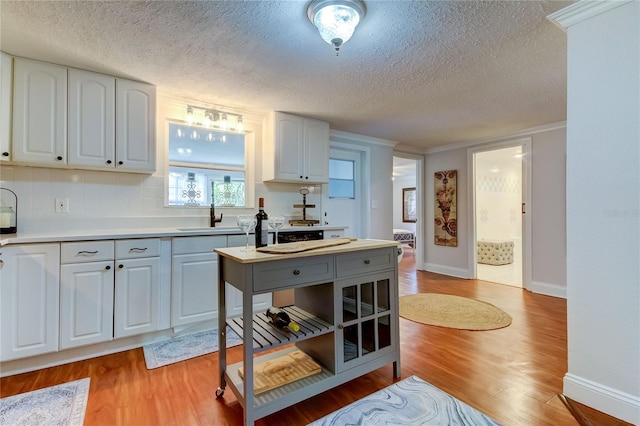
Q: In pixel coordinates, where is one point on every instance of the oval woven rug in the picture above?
(449, 311)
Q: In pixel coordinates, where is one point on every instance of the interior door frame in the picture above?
(364, 177)
(420, 206)
(525, 144)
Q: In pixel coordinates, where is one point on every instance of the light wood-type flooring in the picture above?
(512, 374)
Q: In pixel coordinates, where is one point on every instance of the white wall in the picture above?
(446, 260)
(498, 198)
(603, 208)
(547, 210)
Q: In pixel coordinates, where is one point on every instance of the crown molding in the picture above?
(340, 136)
(525, 132)
(583, 10)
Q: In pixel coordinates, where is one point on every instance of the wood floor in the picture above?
(512, 374)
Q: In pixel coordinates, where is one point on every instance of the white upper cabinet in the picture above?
(135, 126)
(39, 113)
(6, 83)
(295, 149)
(92, 105)
(111, 123)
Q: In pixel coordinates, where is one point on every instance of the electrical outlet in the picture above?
(62, 205)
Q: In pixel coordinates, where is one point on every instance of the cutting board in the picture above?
(300, 246)
(280, 371)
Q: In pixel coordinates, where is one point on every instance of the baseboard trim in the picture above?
(447, 270)
(603, 398)
(547, 289)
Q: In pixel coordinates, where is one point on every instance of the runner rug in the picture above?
(450, 311)
(411, 401)
(62, 405)
(185, 347)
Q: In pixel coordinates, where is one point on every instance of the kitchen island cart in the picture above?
(346, 303)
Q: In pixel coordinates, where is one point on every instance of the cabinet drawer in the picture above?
(131, 249)
(188, 245)
(287, 273)
(364, 262)
(86, 251)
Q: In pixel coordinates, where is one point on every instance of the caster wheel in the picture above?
(219, 392)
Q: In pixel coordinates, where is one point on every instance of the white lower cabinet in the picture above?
(109, 289)
(137, 287)
(86, 293)
(29, 300)
(194, 290)
(86, 303)
(194, 271)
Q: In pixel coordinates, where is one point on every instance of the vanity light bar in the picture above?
(214, 118)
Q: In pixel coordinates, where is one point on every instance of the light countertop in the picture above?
(109, 234)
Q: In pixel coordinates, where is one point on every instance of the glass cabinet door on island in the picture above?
(365, 320)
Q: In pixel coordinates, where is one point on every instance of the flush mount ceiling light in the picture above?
(336, 19)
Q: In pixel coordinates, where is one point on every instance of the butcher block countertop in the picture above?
(239, 254)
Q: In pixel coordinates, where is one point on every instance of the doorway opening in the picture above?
(407, 205)
(500, 179)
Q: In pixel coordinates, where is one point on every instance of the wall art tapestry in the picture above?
(446, 224)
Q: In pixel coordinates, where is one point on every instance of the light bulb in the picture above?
(207, 119)
(224, 124)
(239, 125)
(189, 115)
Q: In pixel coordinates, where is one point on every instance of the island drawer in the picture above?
(364, 262)
(288, 273)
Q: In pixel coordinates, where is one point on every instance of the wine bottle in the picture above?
(262, 225)
(281, 319)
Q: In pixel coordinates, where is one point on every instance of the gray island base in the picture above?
(346, 303)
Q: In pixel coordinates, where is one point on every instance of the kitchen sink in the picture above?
(210, 228)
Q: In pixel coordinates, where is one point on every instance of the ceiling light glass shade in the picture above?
(336, 20)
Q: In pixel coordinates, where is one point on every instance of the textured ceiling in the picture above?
(422, 73)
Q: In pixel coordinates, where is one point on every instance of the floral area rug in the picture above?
(409, 402)
(185, 347)
(62, 405)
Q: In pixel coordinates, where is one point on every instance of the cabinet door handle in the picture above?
(367, 262)
(59, 158)
(108, 161)
(107, 267)
(120, 163)
(296, 272)
(5, 154)
(121, 266)
(87, 253)
(137, 250)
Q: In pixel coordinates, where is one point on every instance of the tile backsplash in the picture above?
(110, 200)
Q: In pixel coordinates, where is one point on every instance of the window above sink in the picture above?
(208, 166)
